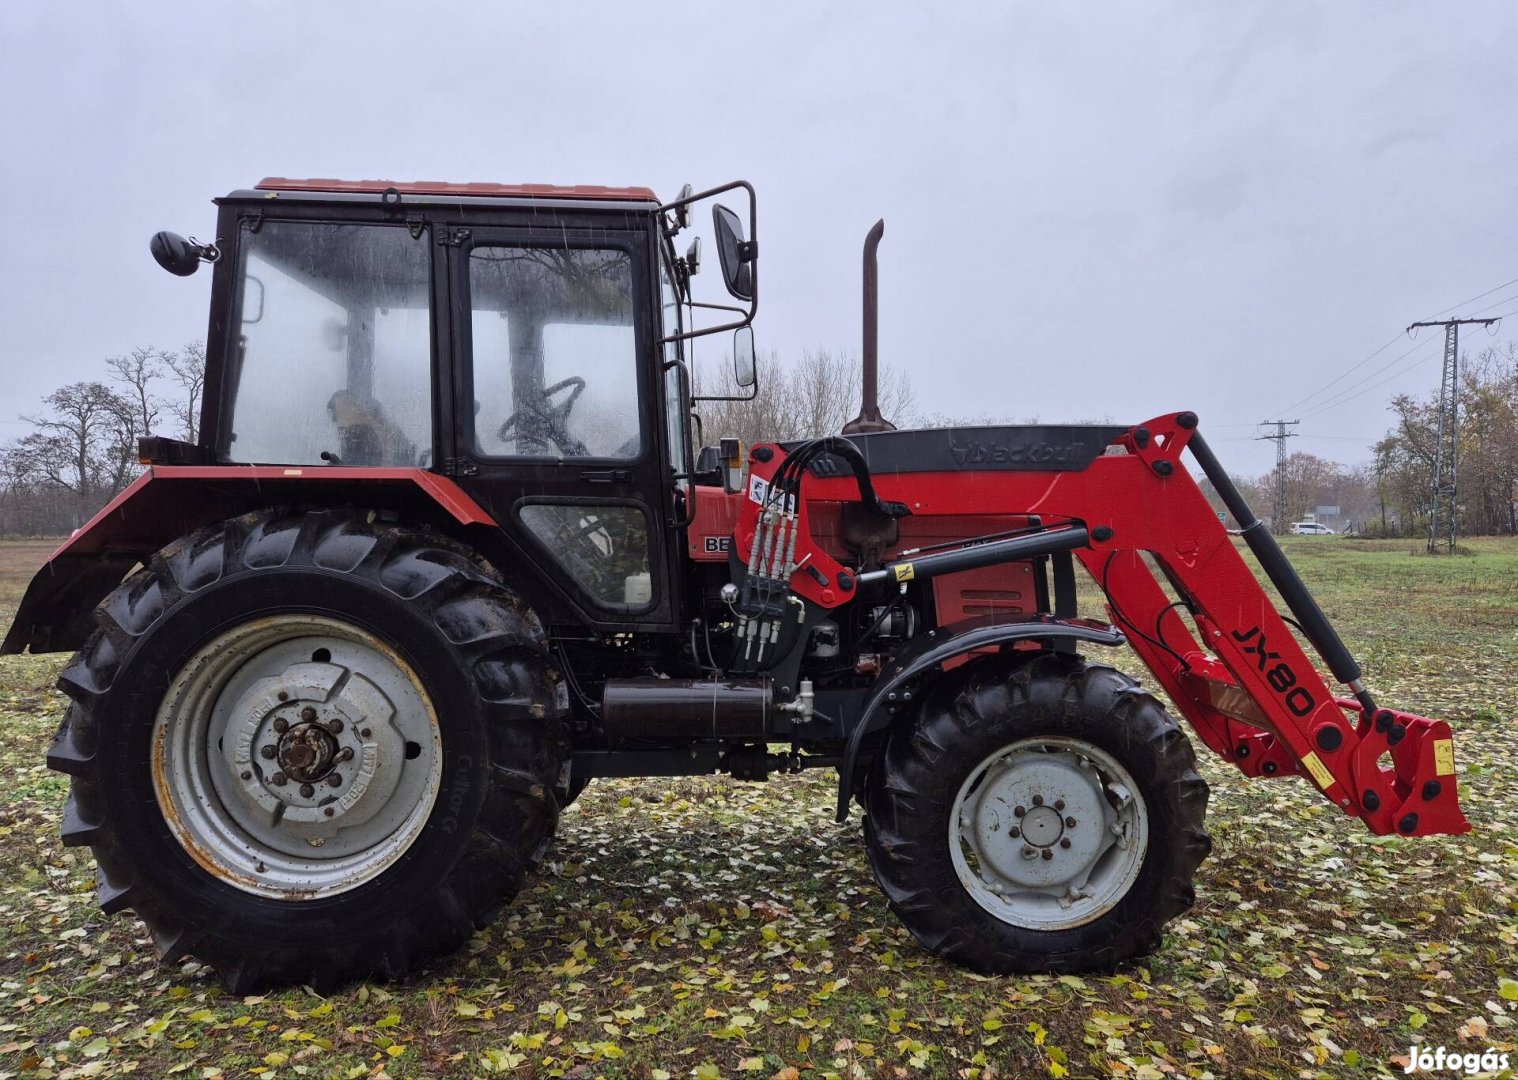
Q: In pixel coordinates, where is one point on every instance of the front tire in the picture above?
(311, 747)
(1037, 816)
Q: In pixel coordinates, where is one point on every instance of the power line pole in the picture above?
(1444, 494)
(1278, 515)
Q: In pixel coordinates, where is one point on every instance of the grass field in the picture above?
(707, 928)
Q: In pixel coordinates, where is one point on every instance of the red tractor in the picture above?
(446, 550)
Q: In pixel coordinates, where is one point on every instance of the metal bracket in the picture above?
(250, 220)
(456, 466)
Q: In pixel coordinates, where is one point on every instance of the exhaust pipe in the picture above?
(869, 418)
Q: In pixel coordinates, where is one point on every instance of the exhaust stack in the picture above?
(869, 418)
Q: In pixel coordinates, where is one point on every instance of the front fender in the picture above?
(170, 501)
(924, 653)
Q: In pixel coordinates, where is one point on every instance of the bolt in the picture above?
(246, 775)
(1038, 800)
(1020, 811)
(281, 725)
(344, 754)
(365, 733)
(1065, 842)
(1059, 804)
(278, 779)
(335, 726)
(1014, 832)
(308, 714)
(334, 780)
(267, 752)
(284, 695)
(1048, 854)
(328, 811)
(306, 791)
(1070, 823)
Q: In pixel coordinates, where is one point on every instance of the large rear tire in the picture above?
(1039, 815)
(311, 747)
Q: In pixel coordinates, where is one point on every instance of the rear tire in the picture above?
(1000, 891)
(311, 747)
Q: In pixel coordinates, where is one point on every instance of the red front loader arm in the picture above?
(1237, 673)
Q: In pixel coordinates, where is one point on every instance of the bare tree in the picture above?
(137, 372)
(187, 369)
(815, 396)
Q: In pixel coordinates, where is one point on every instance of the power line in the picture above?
(1347, 395)
(1392, 341)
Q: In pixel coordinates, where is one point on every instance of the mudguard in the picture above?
(928, 650)
(169, 501)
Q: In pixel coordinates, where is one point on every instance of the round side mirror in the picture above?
(735, 255)
(744, 367)
(175, 254)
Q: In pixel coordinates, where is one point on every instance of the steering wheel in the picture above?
(541, 425)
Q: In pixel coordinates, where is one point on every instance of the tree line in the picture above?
(82, 446)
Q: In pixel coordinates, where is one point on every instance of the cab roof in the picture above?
(597, 192)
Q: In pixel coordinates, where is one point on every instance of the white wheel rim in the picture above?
(296, 757)
(1048, 833)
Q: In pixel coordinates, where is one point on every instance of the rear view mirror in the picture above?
(179, 256)
(735, 253)
(744, 369)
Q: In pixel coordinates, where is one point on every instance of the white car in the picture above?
(1310, 528)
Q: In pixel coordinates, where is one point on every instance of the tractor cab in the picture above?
(527, 342)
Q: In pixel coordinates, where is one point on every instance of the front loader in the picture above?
(448, 549)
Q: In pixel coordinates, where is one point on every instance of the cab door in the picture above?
(555, 409)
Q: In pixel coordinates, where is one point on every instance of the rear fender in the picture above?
(927, 651)
(169, 501)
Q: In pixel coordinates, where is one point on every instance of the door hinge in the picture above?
(415, 226)
(455, 466)
(607, 476)
(453, 237)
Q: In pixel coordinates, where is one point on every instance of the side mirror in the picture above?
(735, 253)
(179, 256)
(744, 368)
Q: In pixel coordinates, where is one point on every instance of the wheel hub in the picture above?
(1042, 826)
(306, 752)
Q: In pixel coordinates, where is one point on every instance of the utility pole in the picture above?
(1444, 494)
(1278, 515)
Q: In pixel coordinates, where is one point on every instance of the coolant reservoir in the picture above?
(637, 589)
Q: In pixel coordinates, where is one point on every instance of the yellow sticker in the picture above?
(1319, 771)
(904, 571)
(1444, 757)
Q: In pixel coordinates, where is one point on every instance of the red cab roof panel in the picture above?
(438, 187)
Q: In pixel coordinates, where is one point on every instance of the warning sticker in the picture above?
(904, 571)
(1444, 757)
(1319, 771)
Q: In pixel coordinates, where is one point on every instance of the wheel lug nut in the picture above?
(1070, 822)
(1059, 804)
(278, 779)
(267, 752)
(1048, 854)
(335, 726)
(306, 791)
(1020, 811)
(308, 714)
(1015, 833)
(1065, 843)
(281, 725)
(1038, 800)
(334, 780)
(345, 754)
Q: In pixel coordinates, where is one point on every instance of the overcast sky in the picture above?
(1093, 211)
